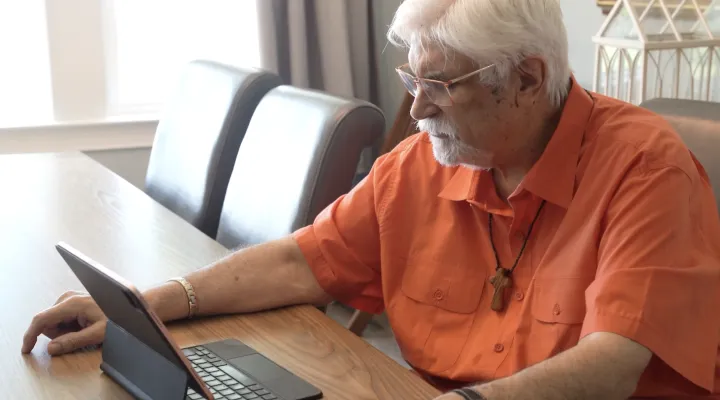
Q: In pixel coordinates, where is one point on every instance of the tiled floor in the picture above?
(377, 333)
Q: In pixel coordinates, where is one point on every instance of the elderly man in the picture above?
(536, 241)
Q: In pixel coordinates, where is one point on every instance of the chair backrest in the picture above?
(300, 153)
(698, 124)
(198, 137)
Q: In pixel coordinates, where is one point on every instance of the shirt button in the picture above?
(438, 295)
(556, 309)
(499, 348)
(519, 296)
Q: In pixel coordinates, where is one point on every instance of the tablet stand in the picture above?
(139, 369)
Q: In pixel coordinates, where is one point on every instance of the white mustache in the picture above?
(437, 126)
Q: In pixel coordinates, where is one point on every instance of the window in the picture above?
(96, 60)
(154, 38)
(24, 73)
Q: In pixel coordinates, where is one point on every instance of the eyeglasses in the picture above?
(437, 91)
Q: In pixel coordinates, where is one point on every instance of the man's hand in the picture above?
(266, 276)
(74, 322)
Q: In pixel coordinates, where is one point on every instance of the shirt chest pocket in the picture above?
(558, 311)
(559, 300)
(435, 312)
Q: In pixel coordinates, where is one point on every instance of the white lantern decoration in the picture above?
(659, 48)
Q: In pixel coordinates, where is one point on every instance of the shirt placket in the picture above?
(514, 234)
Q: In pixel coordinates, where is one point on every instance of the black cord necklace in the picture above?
(503, 279)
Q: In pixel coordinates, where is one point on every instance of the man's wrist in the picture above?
(470, 393)
(168, 301)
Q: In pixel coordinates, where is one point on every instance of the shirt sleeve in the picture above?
(342, 246)
(658, 275)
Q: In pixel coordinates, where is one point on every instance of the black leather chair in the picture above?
(299, 154)
(698, 124)
(198, 137)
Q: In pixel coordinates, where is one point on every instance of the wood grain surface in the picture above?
(46, 198)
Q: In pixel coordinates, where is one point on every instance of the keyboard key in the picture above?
(243, 391)
(226, 379)
(193, 357)
(221, 387)
(215, 383)
(213, 391)
(231, 382)
(203, 374)
(220, 397)
(195, 396)
(227, 391)
(204, 365)
(254, 387)
(237, 386)
(261, 392)
(211, 369)
(234, 396)
(188, 352)
(250, 396)
(269, 397)
(219, 363)
(217, 373)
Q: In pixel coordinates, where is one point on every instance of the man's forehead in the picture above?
(431, 59)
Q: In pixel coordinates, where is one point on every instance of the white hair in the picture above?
(502, 32)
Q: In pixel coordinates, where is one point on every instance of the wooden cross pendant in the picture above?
(500, 282)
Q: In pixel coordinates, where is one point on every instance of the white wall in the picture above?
(582, 21)
(123, 147)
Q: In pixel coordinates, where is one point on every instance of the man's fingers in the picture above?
(59, 313)
(67, 295)
(72, 341)
(61, 329)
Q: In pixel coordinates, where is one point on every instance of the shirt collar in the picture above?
(553, 176)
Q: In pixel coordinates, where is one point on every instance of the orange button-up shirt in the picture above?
(628, 242)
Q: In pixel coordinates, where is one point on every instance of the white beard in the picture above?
(448, 149)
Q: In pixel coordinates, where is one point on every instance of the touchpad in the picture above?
(275, 378)
(259, 367)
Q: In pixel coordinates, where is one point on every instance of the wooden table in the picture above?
(46, 198)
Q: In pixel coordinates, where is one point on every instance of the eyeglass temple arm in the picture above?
(460, 78)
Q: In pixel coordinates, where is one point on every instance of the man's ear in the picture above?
(532, 73)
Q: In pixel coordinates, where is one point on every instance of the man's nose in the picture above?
(422, 107)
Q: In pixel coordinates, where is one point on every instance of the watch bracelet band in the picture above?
(468, 393)
(190, 293)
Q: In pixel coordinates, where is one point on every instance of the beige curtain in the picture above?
(322, 44)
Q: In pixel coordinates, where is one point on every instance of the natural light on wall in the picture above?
(77, 61)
